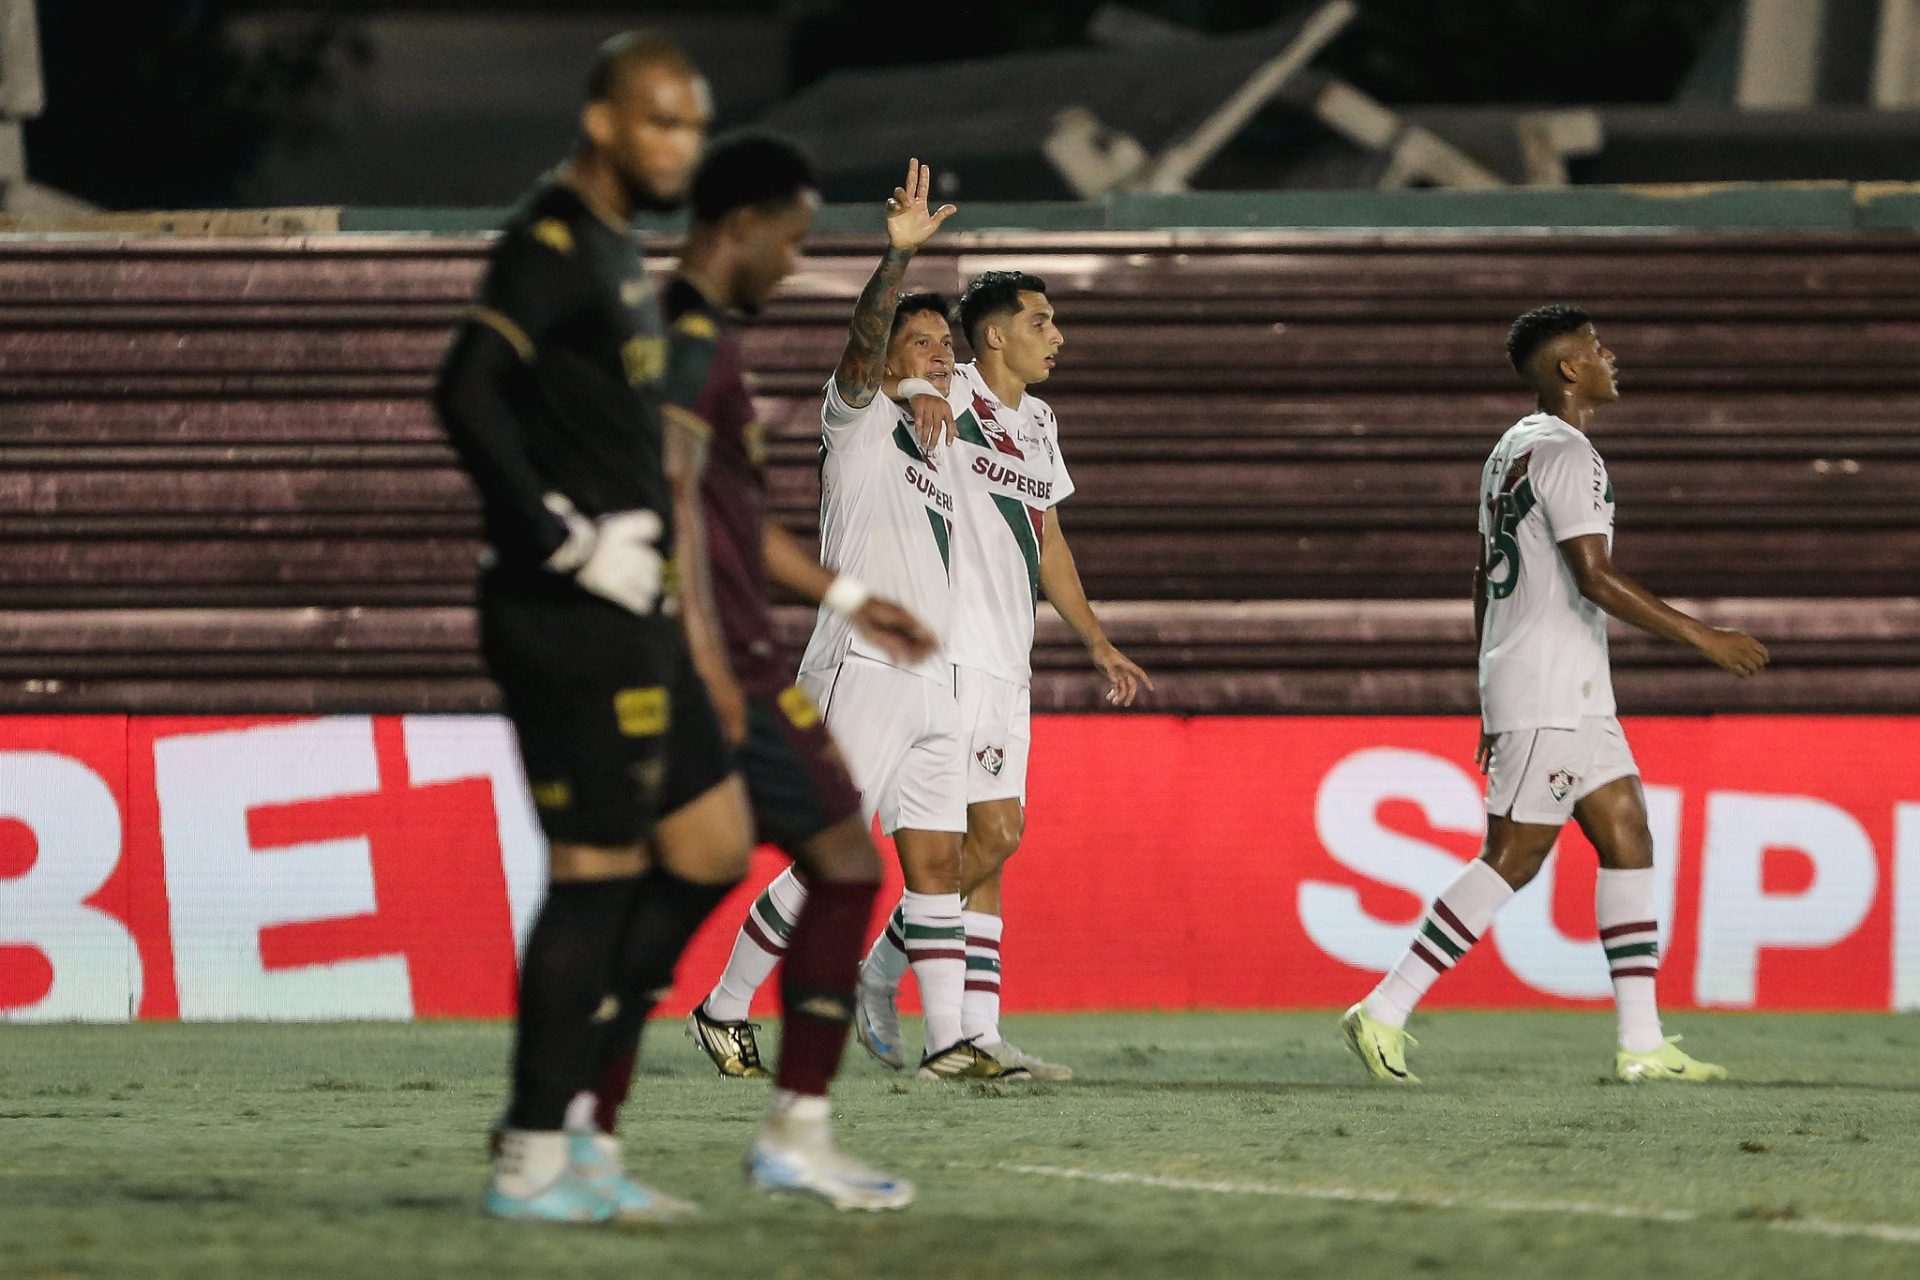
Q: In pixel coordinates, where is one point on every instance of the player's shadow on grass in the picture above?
(1836, 1086)
(1276, 1087)
(1085, 1084)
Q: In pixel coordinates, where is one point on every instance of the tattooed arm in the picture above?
(909, 225)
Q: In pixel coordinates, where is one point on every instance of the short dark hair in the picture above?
(1540, 326)
(990, 294)
(912, 304)
(750, 171)
(629, 51)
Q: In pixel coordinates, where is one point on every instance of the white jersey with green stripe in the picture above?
(1543, 649)
(1010, 473)
(886, 517)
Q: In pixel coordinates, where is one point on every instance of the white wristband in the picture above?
(846, 595)
(911, 387)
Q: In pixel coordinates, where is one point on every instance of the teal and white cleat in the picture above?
(1667, 1064)
(595, 1159)
(876, 1024)
(1382, 1049)
(533, 1181)
(568, 1199)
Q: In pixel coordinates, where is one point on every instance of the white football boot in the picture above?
(876, 1023)
(795, 1153)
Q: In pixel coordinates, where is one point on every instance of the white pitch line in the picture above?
(1886, 1232)
(1871, 1230)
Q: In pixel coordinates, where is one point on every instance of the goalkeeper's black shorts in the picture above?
(614, 724)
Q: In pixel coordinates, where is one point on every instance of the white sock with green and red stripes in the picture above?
(937, 950)
(761, 944)
(1456, 920)
(886, 962)
(1630, 935)
(980, 1006)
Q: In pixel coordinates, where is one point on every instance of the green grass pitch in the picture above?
(1191, 1145)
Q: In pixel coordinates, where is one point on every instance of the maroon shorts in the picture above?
(796, 780)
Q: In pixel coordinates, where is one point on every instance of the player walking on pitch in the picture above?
(1011, 479)
(753, 202)
(551, 395)
(1550, 745)
(887, 524)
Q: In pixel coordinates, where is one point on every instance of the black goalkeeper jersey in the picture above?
(576, 408)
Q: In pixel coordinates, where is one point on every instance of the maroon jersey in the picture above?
(706, 379)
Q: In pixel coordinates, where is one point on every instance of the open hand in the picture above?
(909, 225)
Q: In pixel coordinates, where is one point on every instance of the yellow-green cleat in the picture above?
(1382, 1049)
(1667, 1063)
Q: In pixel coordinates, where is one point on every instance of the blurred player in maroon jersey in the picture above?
(753, 204)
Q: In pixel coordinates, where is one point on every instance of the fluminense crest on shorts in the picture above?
(1559, 782)
(992, 759)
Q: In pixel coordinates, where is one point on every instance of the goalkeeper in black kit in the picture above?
(595, 617)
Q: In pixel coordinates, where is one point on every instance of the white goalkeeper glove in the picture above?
(617, 557)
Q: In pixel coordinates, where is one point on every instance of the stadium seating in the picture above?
(224, 490)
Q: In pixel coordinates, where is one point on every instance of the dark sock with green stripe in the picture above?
(1457, 919)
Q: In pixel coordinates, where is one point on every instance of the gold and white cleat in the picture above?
(966, 1060)
(729, 1046)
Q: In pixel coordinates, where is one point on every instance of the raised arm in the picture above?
(909, 225)
(1602, 582)
(1060, 579)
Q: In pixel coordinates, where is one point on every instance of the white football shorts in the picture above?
(1539, 775)
(996, 718)
(901, 736)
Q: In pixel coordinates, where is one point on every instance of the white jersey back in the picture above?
(886, 517)
(1009, 474)
(1543, 649)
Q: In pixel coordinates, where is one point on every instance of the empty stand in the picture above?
(221, 487)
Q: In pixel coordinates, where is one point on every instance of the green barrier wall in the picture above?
(1812, 206)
